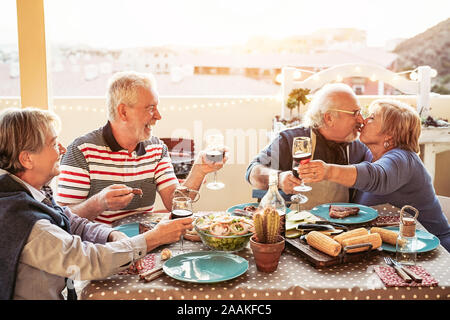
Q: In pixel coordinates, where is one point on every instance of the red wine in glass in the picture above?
(181, 208)
(214, 155)
(301, 153)
(181, 213)
(299, 158)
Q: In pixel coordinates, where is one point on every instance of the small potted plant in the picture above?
(267, 244)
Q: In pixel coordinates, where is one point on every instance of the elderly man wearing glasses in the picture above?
(101, 169)
(333, 122)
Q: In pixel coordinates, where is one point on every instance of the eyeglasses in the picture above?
(355, 113)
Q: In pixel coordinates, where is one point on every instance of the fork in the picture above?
(398, 269)
(413, 275)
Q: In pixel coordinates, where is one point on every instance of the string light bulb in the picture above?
(433, 73)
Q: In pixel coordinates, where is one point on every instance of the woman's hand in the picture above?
(313, 171)
(167, 231)
(116, 236)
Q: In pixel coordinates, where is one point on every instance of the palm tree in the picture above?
(297, 97)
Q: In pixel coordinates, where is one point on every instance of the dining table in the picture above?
(294, 279)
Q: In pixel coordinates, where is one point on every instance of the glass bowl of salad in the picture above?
(224, 232)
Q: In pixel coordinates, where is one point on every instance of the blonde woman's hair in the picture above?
(399, 120)
(123, 88)
(23, 130)
(328, 97)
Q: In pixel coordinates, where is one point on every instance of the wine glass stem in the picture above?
(215, 177)
(181, 244)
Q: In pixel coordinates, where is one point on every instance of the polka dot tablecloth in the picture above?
(294, 279)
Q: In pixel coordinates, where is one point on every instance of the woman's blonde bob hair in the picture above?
(399, 120)
(23, 130)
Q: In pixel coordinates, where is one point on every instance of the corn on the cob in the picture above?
(388, 236)
(350, 234)
(373, 238)
(323, 243)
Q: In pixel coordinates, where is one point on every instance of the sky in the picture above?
(128, 23)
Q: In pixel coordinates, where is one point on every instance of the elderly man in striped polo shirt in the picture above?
(101, 168)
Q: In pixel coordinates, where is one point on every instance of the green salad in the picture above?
(224, 232)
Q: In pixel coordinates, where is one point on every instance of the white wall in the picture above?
(244, 121)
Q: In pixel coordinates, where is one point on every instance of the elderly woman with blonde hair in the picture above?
(394, 172)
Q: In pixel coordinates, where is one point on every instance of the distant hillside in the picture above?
(432, 48)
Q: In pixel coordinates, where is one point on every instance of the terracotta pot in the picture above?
(267, 255)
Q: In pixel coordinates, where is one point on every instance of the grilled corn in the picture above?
(323, 243)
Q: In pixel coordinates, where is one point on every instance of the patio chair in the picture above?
(181, 153)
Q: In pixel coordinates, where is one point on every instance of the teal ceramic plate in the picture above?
(243, 205)
(205, 267)
(425, 241)
(130, 229)
(365, 214)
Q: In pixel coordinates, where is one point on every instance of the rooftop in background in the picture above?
(83, 71)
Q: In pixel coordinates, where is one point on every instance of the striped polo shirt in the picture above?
(95, 161)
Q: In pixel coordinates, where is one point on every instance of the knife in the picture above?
(413, 275)
(336, 225)
(307, 227)
(314, 226)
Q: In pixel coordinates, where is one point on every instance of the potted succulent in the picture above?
(267, 244)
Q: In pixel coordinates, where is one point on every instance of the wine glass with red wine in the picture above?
(181, 208)
(301, 154)
(215, 153)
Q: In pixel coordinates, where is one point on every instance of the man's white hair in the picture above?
(123, 88)
(325, 99)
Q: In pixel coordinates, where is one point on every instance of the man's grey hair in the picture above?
(123, 88)
(23, 130)
(325, 99)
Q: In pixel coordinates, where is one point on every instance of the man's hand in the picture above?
(115, 197)
(206, 166)
(288, 181)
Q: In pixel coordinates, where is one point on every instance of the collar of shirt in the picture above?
(114, 145)
(37, 195)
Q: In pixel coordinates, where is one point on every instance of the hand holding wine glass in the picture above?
(215, 153)
(181, 208)
(301, 153)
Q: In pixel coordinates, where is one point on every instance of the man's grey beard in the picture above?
(352, 137)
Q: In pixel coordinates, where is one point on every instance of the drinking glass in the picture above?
(301, 154)
(215, 153)
(299, 199)
(181, 208)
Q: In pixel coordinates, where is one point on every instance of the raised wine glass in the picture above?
(301, 154)
(215, 153)
(181, 208)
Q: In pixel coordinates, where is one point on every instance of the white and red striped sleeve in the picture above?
(74, 180)
(164, 172)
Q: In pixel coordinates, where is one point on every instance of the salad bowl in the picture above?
(224, 232)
